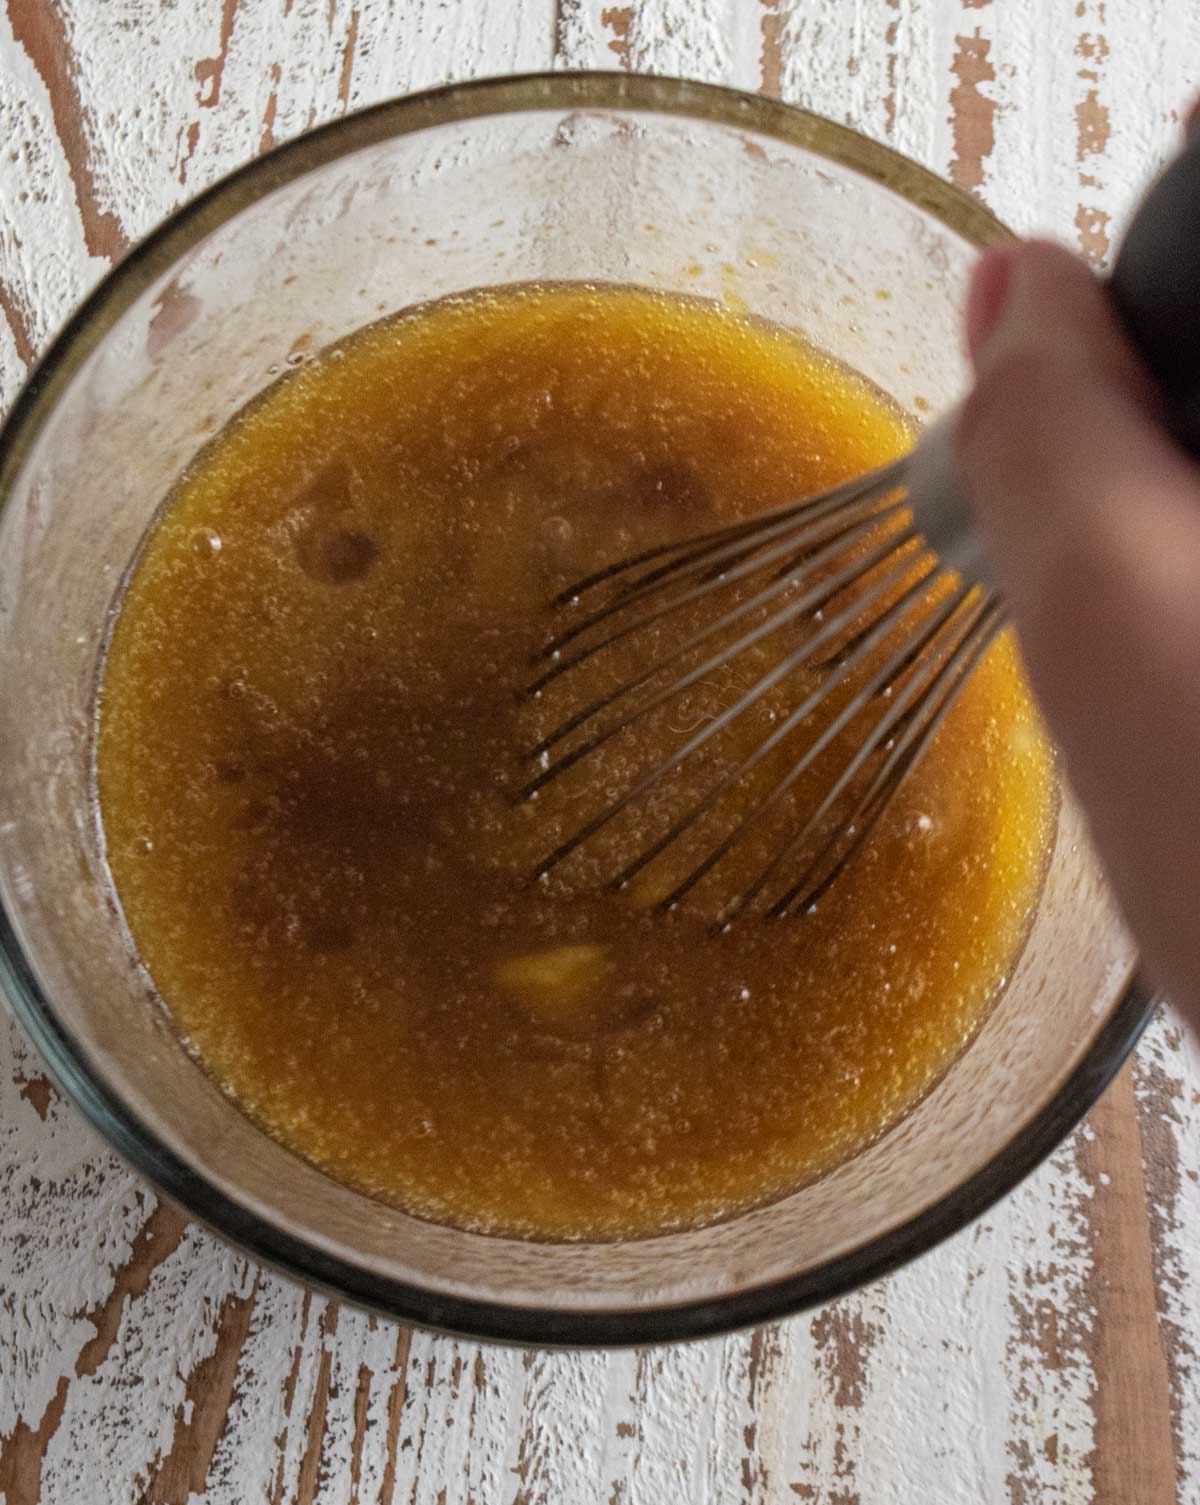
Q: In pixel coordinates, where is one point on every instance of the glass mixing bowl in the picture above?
(671, 185)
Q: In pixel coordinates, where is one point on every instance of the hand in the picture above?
(1093, 514)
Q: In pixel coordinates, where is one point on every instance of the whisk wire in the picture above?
(886, 478)
(880, 681)
(816, 531)
(942, 635)
(852, 562)
(792, 661)
(910, 746)
(812, 600)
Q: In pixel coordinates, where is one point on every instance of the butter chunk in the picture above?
(556, 984)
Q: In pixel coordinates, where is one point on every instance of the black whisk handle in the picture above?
(1155, 286)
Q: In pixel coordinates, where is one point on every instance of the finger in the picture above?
(1061, 431)
(987, 296)
(1093, 515)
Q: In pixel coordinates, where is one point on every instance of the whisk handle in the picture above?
(1155, 288)
(939, 510)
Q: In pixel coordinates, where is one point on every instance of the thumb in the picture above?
(1093, 515)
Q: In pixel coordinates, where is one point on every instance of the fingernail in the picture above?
(987, 296)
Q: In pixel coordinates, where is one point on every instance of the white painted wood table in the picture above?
(1049, 1353)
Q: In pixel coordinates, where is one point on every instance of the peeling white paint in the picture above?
(965, 1376)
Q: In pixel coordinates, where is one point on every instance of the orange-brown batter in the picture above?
(308, 724)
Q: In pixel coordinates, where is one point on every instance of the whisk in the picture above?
(890, 586)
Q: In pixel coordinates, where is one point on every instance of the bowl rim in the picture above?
(161, 251)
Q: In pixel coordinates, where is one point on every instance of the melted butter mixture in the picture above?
(308, 725)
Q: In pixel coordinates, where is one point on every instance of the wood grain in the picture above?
(1049, 1353)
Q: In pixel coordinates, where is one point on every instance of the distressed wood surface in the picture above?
(1048, 1353)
